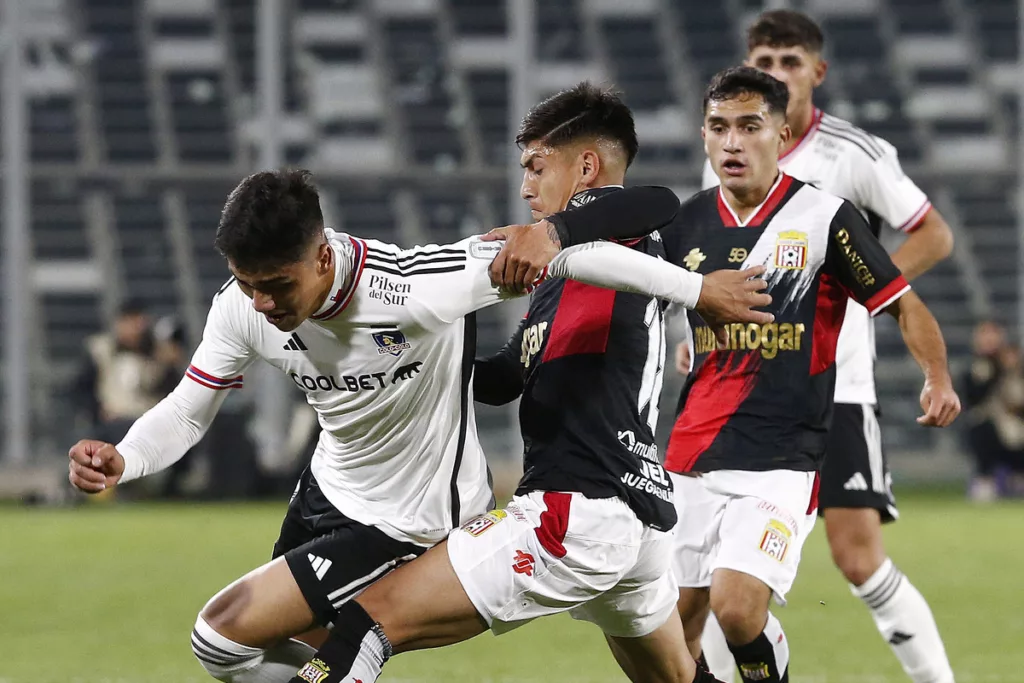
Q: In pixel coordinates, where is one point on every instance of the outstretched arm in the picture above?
(924, 340)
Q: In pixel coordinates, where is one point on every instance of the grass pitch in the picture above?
(107, 593)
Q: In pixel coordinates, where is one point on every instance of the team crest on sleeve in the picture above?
(392, 341)
(791, 250)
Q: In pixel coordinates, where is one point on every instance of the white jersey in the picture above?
(841, 159)
(387, 364)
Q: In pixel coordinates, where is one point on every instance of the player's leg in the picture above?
(659, 656)
(717, 657)
(640, 621)
(855, 500)
(500, 570)
(251, 630)
(762, 534)
(696, 544)
(753, 634)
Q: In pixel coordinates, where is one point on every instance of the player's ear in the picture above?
(324, 259)
(820, 69)
(785, 134)
(590, 166)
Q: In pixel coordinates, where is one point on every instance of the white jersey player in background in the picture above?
(378, 339)
(855, 498)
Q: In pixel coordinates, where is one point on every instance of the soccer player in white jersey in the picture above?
(856, 496)
(379, 340)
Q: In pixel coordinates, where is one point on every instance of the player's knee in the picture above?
(223, 611)
(741, 616)
(857, 561)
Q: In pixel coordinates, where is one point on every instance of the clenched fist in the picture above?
(95, 465)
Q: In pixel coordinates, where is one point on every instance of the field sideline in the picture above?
(110, 593)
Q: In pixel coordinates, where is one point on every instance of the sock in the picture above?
(232, 662)
(766, 658)
(354, 651)
(906, 623)
(716, 651)
(704, 676)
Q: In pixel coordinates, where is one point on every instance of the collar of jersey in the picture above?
(763, 210)
(337, 302)
(808, 134)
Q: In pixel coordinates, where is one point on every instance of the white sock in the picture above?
(716, 651)
(906, 623)
(232, 662)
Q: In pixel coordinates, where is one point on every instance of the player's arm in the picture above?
(169, 429)
(626, 214)
(867, 273)
(498, 379)
(882, 187)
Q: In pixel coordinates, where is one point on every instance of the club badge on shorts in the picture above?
(791, 250)
(478, 525)
(775, 540)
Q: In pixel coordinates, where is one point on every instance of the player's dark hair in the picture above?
(746, 80)
(581, 112)
(785, 28)
(270, 219)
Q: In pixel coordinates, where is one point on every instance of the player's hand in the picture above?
(939, 402)
(730, 296)
(95, 465)
(683, 358)
(527, 252)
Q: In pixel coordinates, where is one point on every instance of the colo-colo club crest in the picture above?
(392, 341)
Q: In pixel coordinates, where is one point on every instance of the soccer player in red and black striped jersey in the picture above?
(588, 531)
(747, 446)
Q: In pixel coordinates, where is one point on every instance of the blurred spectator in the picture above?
(994, 398)
(125, 372)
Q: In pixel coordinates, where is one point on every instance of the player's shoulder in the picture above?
(853, 140)
(701, 202)
(426, 259)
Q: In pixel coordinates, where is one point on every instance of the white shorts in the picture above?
(750, 522)
(549, 552)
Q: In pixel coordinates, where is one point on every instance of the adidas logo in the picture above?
(295, 344)
(320, 565)
(856, 483)
(899, 637)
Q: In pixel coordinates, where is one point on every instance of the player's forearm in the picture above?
(929, 244)
(629, 213)
(923, 337)
(169, 429)
(615, 267)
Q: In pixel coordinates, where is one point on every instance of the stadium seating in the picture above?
(143, 116)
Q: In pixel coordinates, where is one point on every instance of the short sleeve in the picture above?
(225, 351)
(463, 285)
(881, 186)
(860, 263)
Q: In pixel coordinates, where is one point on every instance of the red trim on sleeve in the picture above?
(554, 522)
(210, 381)
(892, 291)
(915, 221)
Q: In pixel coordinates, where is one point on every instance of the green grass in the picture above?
(110, 593)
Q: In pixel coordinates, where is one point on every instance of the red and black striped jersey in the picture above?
(764, 400)
(588, 363)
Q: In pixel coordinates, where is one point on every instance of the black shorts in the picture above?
(855, 473)
(333, 558)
